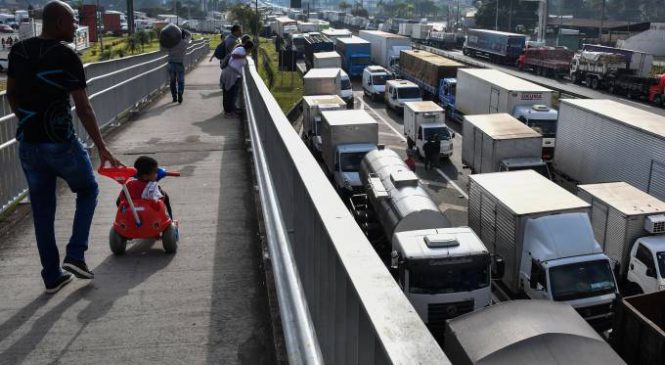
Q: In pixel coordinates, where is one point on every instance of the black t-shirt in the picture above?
(46, 71)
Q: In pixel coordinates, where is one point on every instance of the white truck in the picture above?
(444, 271)
(327, 60)
(604, 140)
(284, 26)
(398, 92)
(328, 81)
(347, 135)
(312, 107)
(306, 27)
(499, 142)
(374, 81)
(420, 32)
(333, 33)
(629, 224)
(543, 242)
(423, 120)
(385, 47)
(483, 91)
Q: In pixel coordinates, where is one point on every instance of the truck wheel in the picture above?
(575, 78)
(594, 83)
(465, 51)
(117, 243)
(658, 100)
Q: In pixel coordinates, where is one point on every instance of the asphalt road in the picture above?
(447, 185)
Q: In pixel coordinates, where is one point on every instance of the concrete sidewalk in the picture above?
(207, 304)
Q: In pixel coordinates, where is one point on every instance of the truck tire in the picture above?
(595, 83)
(575, 78)
(465, 51)
(658, 100)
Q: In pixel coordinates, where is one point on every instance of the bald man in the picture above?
(43, 73)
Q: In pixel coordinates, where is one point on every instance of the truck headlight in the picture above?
(661, 287)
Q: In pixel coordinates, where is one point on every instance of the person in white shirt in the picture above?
(231, 76)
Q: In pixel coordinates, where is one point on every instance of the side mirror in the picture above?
(651, 272)
(499, 268)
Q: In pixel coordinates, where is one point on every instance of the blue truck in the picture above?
(500, 47)
(356, 54)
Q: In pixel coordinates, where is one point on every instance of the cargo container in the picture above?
(306, 27)
(419, 32)
(356, 54)
(525, 332)
(629, 225)
(284, 26)
(603, 140)
(496, 46)
(426, 69)
(311, 122)
(112, 23)
(328, 81)
(316, 42)
(385, 46)
(640, 62)
(499, 142)
(543, 242)
(638, 335)
(327, 60)
(333, 33)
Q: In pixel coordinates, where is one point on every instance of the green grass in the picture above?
(288, 87)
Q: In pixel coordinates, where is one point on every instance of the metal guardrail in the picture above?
(124, 89)
(354, 308)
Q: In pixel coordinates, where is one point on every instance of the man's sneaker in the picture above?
(175, 99)
(63, 280)
(179, 99)
(78, 268)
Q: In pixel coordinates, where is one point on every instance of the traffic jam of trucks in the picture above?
(565, 196)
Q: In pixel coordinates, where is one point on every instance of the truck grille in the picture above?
(438, 313)
(595, 310)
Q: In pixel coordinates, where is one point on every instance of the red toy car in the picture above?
(140, 218)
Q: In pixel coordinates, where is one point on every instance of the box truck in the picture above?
(525, 332)
(346, 136)
(629, 224)
(638, 335)
(499, 142)
(333, 33)
(604, 140)
(328, 81)
(423, 121)
(543, 242)
(426, 69)
(497, 46)
(386, 47)
(327, 60)
(444, 271)
(284, 26)
(356, 54)
(483, 91)
(315, 43)
(312, 107)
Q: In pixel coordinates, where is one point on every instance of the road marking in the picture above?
(397, 133)
(459, 190)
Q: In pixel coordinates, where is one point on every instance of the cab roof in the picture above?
(460, 241)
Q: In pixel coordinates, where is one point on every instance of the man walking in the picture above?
(431, 148)
(177, 66)
(43, 73)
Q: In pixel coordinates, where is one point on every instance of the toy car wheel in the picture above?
(117, 243)
(170, 239)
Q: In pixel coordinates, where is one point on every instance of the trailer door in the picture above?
(657, 180)
(494, 101)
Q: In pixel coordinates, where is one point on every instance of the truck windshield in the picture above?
(581, 280)
(546, 127)
(346, 84)
(660, 256)
(350, 162)
(440, 276)
(379, 79)
(442, 132)
(408, 93)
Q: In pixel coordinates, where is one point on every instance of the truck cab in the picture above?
(542, 119)
(447, 88)
(398, 92)
(526, 163)
(647, 264)
(569, 266)
(424, 121)
(393, 57)
(374, 81)
(347, 165)
(443, 272)
(346, 89)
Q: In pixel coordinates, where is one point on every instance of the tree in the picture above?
(132, 43)
(142, 38)
(343, 5)
(526, 14)
(246, 16)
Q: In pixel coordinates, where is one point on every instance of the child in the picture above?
(144, 184)
(410, 162)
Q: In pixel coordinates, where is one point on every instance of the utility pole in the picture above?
(255, 51)
(602, 19)
(496, 16)
(130, 17)
(100, 36)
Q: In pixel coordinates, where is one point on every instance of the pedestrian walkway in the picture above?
(204, 305)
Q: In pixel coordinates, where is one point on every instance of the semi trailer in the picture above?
(494, 45)
(385, 46)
